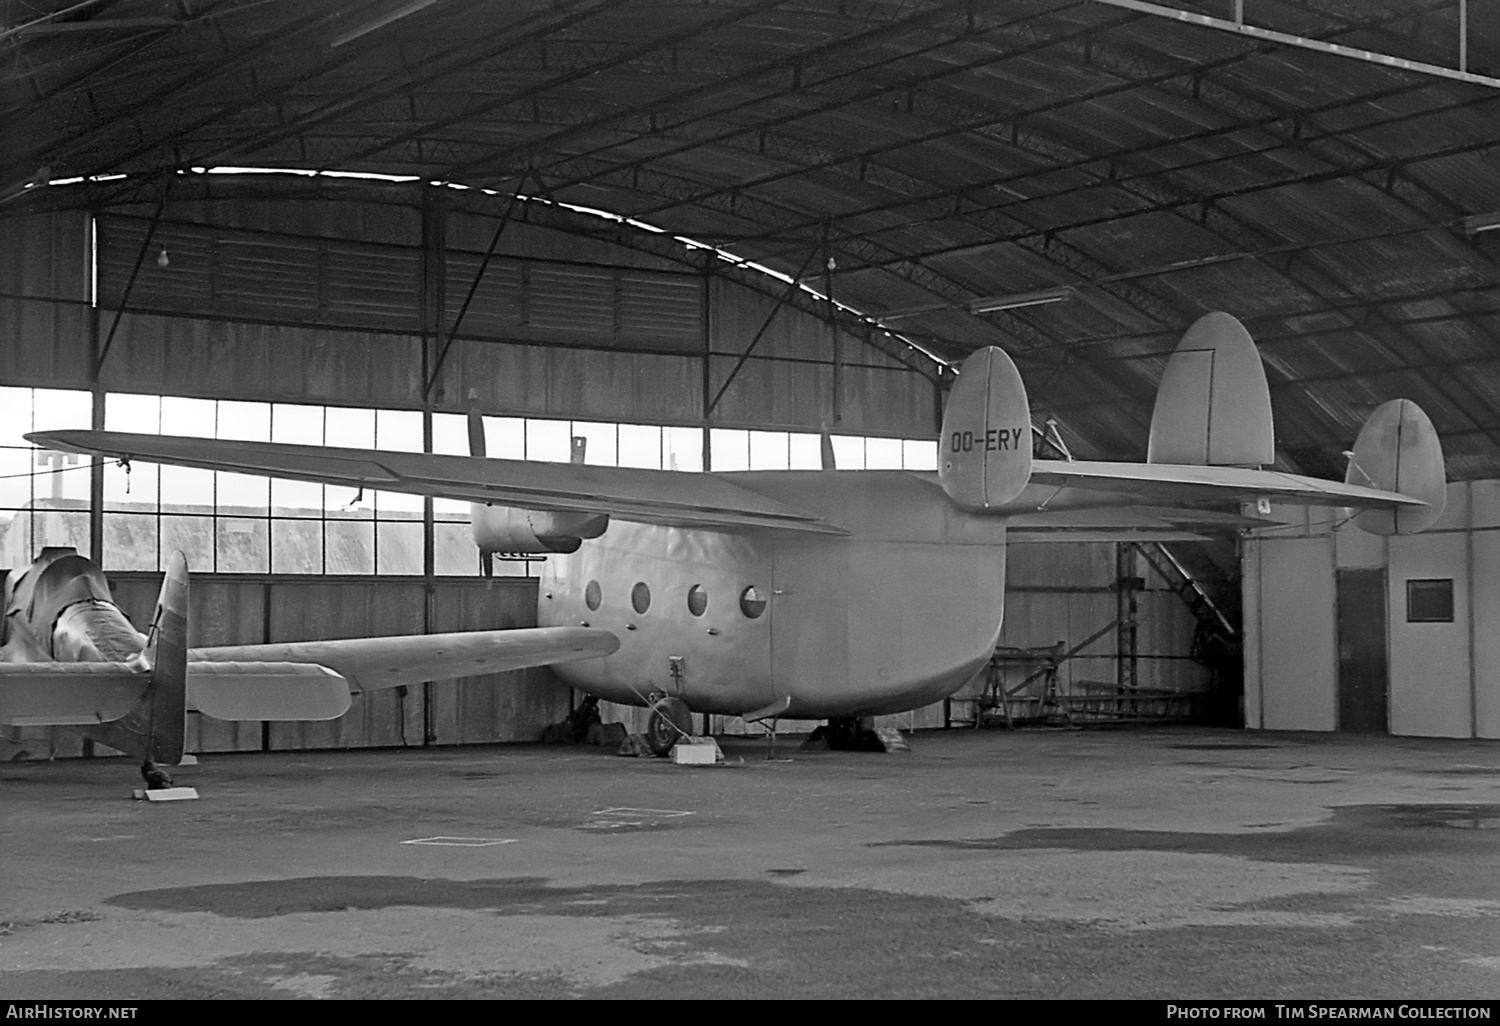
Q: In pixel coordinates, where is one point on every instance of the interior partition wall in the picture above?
(1308, 658)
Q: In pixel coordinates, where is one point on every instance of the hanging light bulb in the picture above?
(162, 260)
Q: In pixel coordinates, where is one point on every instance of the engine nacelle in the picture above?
(510, 529)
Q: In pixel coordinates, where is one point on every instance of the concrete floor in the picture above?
(1142, 863)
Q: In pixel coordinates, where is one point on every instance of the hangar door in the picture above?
(1364, 675)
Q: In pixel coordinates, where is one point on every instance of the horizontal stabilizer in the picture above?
(1177, 485)
(1213, 407)
(372, 663)
(69, 694)
(266, 691)
(1136, 523)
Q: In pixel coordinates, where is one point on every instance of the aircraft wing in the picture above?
(368, 664)
(46, 694)
(299, 680)
(653, 496)
(1171, 485)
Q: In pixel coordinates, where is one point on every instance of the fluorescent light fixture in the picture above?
(1021, 299)
(16, 189)
(381, 22)
(1481, 223)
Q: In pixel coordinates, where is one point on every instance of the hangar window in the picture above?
(44, 495)
(1429, 601)
(591, 595)
(697, 599)
(751, 602)
(233, 523)
(782, 450)
(640, 597)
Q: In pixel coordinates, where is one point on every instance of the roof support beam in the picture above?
(1302, 42)
(791, 287)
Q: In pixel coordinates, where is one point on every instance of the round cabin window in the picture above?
(640, 597)
(752, 604)
(591, 595)
(697, 599)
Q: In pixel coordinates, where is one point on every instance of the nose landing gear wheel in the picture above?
(670, 721)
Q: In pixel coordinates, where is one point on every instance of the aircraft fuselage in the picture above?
(60, 609)
(901, 612)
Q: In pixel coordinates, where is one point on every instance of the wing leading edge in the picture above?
(299, 680)
(652, 496)
(369, 664)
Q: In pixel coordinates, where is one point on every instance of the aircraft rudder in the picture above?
(167, 653)
(1213, 407)
(984, 453)
(1398, 450)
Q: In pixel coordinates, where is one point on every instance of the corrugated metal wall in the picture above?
(1444, 677)
(44, 292)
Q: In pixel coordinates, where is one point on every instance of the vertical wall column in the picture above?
(1129, 585)
(708, 358)
(433, 303)
(96, 417)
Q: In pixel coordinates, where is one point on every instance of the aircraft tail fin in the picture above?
(1398, 451)
(475, 422)
(826, 458)
(156, 728)
(166, 651)
(984, 453)
(1213, 407)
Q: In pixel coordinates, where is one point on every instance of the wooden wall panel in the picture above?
(346, 609)
(773, 395)
(47, 344)
(887, 401)
(156, 353)
(473, 232)
(736, 315)
(46, 255)
(513, 706)
(341, 218)
(520, 380)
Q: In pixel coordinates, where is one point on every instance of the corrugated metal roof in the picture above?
(942, 151)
